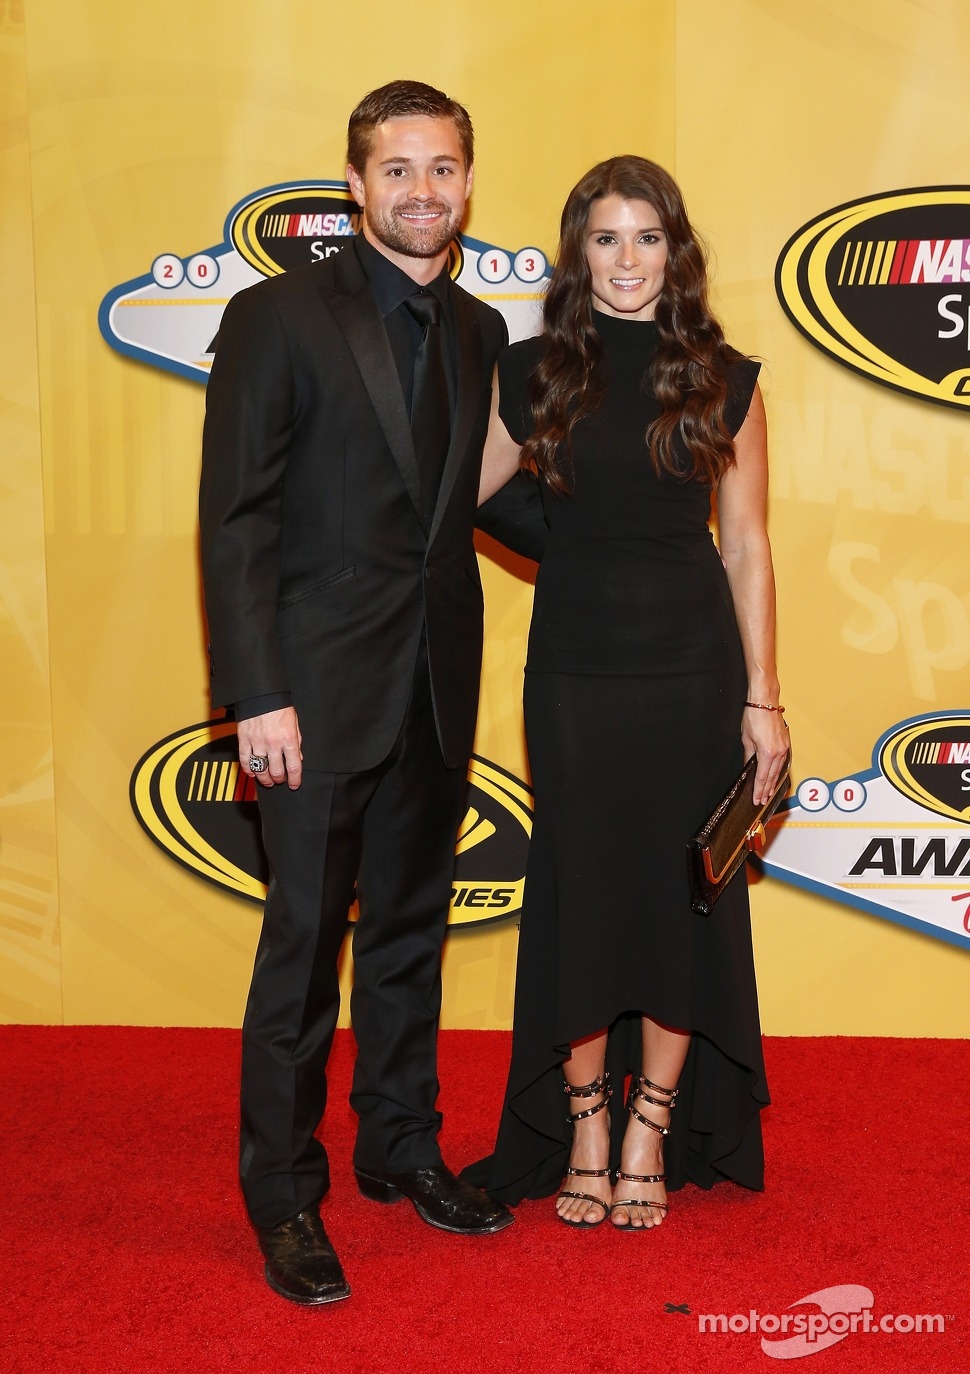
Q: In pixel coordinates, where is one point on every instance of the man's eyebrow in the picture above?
(407, 161)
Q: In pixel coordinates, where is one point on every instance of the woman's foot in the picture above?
(589, 1157)
(640, 1198)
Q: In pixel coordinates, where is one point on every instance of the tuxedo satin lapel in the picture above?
(468, 395)
(355, 311)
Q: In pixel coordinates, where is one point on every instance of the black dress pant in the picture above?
(392, 829)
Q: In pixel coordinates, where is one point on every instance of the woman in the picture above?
(650, 678)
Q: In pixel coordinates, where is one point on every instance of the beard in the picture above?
(413, 240)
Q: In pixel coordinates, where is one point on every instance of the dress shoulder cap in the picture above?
(742, 379)
(515, 367)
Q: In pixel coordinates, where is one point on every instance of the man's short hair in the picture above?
(396, 100)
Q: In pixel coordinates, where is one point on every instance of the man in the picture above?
(345, 418)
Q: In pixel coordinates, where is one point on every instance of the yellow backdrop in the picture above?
(132, 130)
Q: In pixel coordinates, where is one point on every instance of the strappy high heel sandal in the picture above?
(598, 1085)
(638, 1093)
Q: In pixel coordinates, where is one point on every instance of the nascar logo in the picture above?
(945, 751)
(905, 262)
(837, 280)
(299, 223)
(929, 762)
(195, 802)
(291, 226)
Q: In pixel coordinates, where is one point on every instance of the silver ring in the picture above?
(258, 763)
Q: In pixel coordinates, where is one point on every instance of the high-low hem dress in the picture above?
(634, 690)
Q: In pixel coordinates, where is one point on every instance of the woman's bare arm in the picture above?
(742, 507)
(500, 461)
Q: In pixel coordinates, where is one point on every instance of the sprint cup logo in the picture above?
(191, 797)
(294, 225)
(288, 228)
(929, 762)
(883, 286)
(170, 316)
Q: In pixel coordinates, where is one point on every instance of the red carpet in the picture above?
(125, 1245)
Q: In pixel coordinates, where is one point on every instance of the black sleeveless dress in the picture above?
(634, 689)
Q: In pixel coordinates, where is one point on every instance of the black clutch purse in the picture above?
(735, 829)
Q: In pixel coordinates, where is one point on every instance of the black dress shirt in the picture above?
(391, 287)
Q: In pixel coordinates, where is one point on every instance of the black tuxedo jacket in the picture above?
(318, 568)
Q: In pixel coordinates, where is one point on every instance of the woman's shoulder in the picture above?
(523, 355)
(738, 367)
(515, 367)
(742, 378)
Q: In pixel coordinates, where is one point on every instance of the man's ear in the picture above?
(356, 184)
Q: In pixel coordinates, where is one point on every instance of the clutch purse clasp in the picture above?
(735, 829)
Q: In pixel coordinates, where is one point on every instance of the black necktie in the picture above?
(430, 417)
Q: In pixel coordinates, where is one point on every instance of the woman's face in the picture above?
(626, 249)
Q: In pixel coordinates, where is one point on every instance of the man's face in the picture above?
(414, 186)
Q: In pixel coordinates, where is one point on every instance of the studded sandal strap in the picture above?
(589, 1173)
(598, 1085)
(585, 1197)
(654, 1101)
(638, 1094)
(628, 1202)
(637, 1091)
(590, 1111)
(667, 1092)
(645, 1120)
(588, 1089)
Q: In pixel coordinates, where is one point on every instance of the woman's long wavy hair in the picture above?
(688, 372)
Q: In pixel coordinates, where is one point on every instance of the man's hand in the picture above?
(276, 736)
